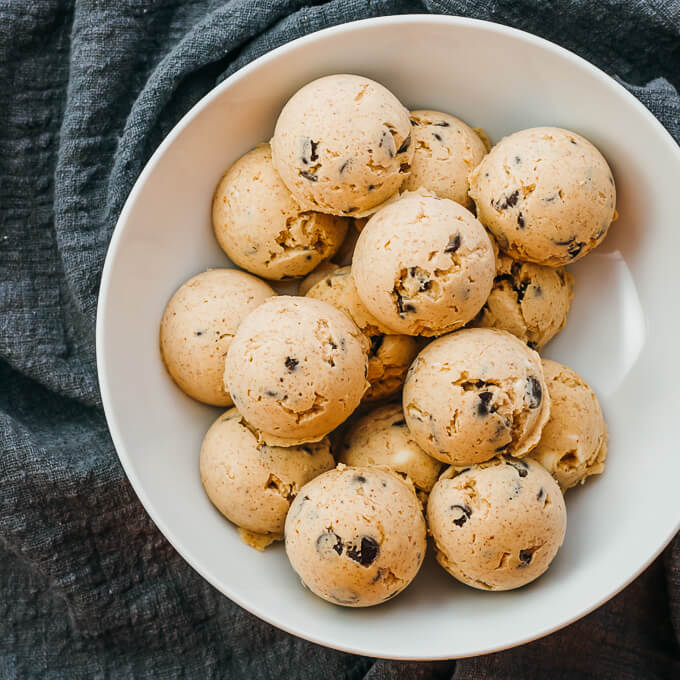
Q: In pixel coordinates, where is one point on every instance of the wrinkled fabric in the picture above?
(89, 588)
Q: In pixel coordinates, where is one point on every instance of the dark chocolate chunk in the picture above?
(541, 494)
(332, 344)
(532, 344)
(291, 364)
(534, 393)
(344, 166)
(307, 449)
(366, 553)
(519, 465)
(359, 479)
(569, 241)
(517, 160)
(483, 407)
(376, 343)
(309, 175)
(505, 202)
(465, 513)
(573, 141)
(453, 244)
(403, 307)
(520, 220)
(521, 289)
(437, 136)
(371, 187)
(314, 145)
(308, 257)
(442, 123)
(351, 209)
(405, 144)
(525, 557)
(198, 332)
(414, 122)
(399, 423)
(575, 248)
(328, 541)
(270, 393)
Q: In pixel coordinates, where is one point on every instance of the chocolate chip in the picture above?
(453, 244)
(532, 344)
(465, 513)
(332, 344)
(525, 557)
(309, 175)
(269, 393)
(359, 479)
(520, 220)
(371, 187)
(308, 257)
(521, 289)
(315, 155)
(376, 343)
(344, 166)
(351, 209)
(328, 541)
(442, 123)
(291, 364)
(506, 202)
(414, 122)
(402, 307)
(575, 248)
(307, 449)
(519, 465)
(367, 552)
(198, 332)
(517, 160)
(573, 141)
(501, 448)
(569, 241)
(534, 393)
(399, 423)
(437, 136)
(405, 144)
(483, 407)
(541, 494)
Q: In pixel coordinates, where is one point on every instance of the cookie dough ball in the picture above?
(546, 194)
(342, 145)
(198, 325)
(382, 438)
(446, 152)
(262, 228)
(573, 445)
(389, 356)
(296, 369)
(498, 525)
(356, 536)
(528, 300)
(474, 394)
(423, 265)
(253, 485)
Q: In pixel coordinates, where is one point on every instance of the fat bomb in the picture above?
(389, 355)
(497, 525)
(382, 438)
(446, 152)
(198, 325)
(573, 444)
(342, 145)
(528, 300)
(296, 369)
(356, 536)
(252, 484)
(474, 394)
(261, 227)
(423, 265)
(546, 194)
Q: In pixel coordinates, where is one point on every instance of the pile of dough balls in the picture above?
(400, 393)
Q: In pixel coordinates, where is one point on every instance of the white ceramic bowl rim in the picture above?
(121, 225)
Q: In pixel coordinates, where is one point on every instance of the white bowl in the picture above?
(621, 335)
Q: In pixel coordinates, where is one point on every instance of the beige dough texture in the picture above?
(446, 152)
(497, 525)
(342, 145)
(573, 445)
(474, 394)
(356, 536)
(382, 438)
(528, 300)
(198, 325)
(321, 272)
(389, 355)
(423, 265)
(296, 369)
(546, 194)
(261, 227)
(252, 484)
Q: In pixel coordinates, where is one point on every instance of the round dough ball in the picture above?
(342, 145)
(296, 369)
(390, 355)
(546, 194)
(356, 536)
(528, 300)
(446, 151)
(498, 525)
(260, 226)
(382, 438)
(198, 325)
(474, 394)
(423, 265)
(253, 485)
(573, 445)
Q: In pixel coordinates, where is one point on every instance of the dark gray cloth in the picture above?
(88, 586)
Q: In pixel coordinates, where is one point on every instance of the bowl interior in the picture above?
(619, 336)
